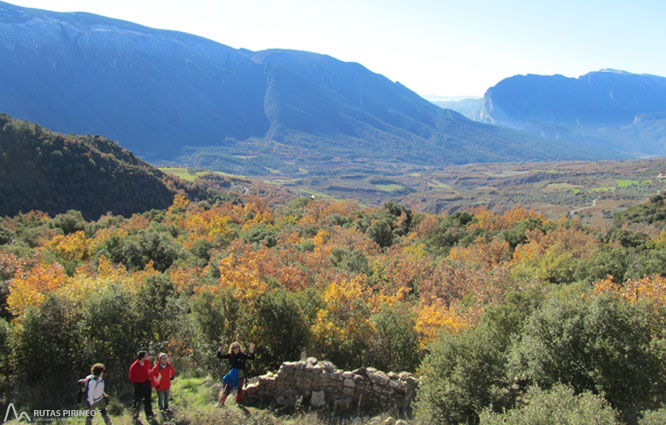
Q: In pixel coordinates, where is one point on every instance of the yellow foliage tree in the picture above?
(256, 212)
(185, 279)
(435, 317)
(345, 315)
(31, 289)
(87, 281)
(242, 274)
(178, 208)
(72, 247)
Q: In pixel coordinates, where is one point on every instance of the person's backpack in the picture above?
(82, 393)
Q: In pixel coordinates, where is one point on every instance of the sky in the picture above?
(456, 48)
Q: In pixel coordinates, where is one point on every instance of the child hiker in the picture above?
(236, 376)
(161, 375)
(96, 398)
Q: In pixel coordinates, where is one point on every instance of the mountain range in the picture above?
(175, 97)
(610, 109)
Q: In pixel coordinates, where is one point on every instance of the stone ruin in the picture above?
(321, 385)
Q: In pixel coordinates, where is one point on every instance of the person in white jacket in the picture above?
(95, 395)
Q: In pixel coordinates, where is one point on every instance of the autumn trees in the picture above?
(482, 304)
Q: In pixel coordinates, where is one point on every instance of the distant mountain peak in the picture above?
(609, 108)
(615, 71)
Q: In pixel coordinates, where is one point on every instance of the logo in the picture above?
(18, 417)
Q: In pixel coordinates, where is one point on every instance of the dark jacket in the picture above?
(236, 361)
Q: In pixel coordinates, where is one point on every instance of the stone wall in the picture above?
(322, 385)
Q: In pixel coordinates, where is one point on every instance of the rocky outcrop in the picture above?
(321, 385)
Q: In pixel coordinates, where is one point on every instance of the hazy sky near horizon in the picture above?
(434, 47)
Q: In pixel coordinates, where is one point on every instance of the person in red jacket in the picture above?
(162, 374)
(139, 375)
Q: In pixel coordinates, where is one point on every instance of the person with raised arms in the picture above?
(235, 378)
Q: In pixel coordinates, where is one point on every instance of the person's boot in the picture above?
(135, 416)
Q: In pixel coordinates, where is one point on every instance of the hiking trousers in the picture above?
(142, 393)
(101, 405)
(163, 399)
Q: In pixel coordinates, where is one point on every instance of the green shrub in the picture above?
(380, 231)
(350, 260)
(395, 344)
(113, 331)
(260, 235)
(653, 417)
(70, 222)
(47, 353)
(557, 406)
(5, 354)
(215, 317)
(6, 235)
(463, 374)
(598, 344)
(157, 307)
(136, 250)
(283, 332)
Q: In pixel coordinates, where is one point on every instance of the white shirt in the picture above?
(95, 390)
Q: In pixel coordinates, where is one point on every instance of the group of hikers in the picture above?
(159, 377)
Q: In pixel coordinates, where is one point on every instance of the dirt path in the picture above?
(577, 210)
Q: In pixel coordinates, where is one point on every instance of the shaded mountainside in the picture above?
(151, 90)
(167, 95)
(52, 172)
(608, 108)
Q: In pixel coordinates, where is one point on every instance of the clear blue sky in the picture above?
(434, 47)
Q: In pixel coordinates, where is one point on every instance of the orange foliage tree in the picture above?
(482, 252)
(553, 256)
(648, 288)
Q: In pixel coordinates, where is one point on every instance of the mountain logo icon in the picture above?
(11, 408)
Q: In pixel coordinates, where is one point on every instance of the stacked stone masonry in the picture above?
(322, 385)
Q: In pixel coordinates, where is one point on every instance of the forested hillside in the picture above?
(652, 212)
(511, 311)
(53, 172)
